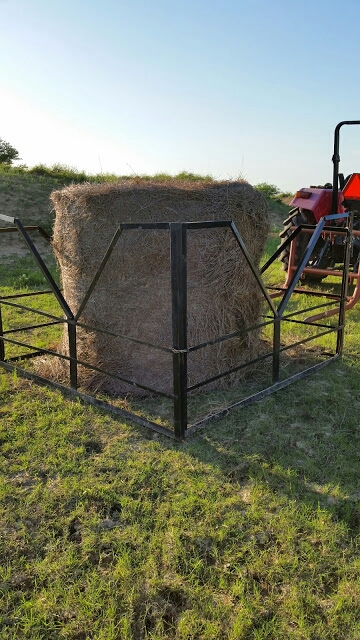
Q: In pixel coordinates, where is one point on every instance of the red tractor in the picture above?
(311, 205)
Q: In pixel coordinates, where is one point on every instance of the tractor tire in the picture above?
(296, 217)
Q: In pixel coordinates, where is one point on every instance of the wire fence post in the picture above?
(179, 324)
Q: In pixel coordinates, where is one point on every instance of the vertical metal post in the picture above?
(276, 351)
(2, 343)
(344, 288)
(72, 354)
(179, 324)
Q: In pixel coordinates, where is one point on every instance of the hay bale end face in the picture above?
(133, 294)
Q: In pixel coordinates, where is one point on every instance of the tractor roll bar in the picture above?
(336, 161)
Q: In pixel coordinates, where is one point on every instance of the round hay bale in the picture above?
(133, 294)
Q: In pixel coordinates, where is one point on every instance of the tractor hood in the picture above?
(317, 200)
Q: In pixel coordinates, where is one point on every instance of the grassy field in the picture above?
(248, 531)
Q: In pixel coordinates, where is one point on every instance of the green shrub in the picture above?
(269, 190)
(60, 172)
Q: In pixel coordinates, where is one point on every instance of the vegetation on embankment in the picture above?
(24, 192)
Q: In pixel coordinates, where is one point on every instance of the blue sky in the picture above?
(231, 88)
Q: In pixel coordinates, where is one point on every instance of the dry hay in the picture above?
(133, 295)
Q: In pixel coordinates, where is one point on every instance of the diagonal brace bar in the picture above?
(305, 259)
(253, 268)
(101, 268)
(55, 289)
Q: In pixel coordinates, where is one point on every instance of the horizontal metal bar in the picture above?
(99, 404)
(309, 292)
(328, 272)
(144, 225)
(92, 367)
(337, 216)
(24, 356)
(208, 224)
(304, 340)
(5, 299)
(40, 313)
(326, 229)
(124, 337)
(42, 350)
(131, 383)
(33, 326)
(205, 224)
(222, 413)
(28, 294)
(229, 371)
(260, 358)
(229, 336)
(27, 228)
(301, 311)
(16, 230)
(213, 341)
(304, 323)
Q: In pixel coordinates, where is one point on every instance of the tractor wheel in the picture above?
(295, 218)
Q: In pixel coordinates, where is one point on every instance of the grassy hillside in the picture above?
(27, 197)
(278, 211)
(25, 193)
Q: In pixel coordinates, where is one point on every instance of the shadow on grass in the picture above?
(302, 442)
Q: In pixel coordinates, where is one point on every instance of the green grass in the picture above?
(279, 210)
(23, 273)
(299, 302)
(65, 174)
(248, 531)
(22, 276)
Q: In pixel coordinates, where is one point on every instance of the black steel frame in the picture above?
(179, 350)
